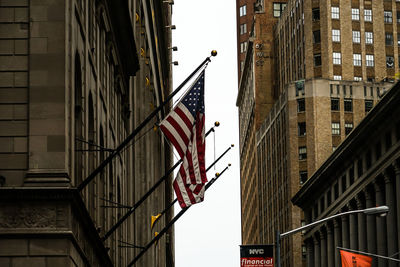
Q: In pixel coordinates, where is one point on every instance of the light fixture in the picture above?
(175, 63)
(174, 48)
(172, 27)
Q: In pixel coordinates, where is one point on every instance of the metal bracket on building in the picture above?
(117, 205)
(128, 245)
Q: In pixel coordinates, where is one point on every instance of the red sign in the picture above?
(256, 256)
(256, 262)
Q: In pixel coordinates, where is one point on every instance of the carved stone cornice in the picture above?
(51, 211)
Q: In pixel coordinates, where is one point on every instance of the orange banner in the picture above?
(354, 260)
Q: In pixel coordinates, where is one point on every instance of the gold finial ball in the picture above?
(232, 145)
(229, 164)
(216, 123)
(217, 174)
(214, 53)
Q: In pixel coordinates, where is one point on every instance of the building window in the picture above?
(317, 60)
(348, 105)
(302, 152)
(357, 59)
(301, 105)
(335, 12)
(242, 11)
(337, 58)
(356, 37)
(303, 177)
(357, 78)
(335, 104)
(348, 126)
(390, 62)
(368, 15)
(398, 16)
(355, 14)
(243, 28)
(335, 128)
(387, 17)
(301, 126)
(369, 38)
(243, 47)
(278, 9)
(335, 35)
(317, 36)
(241, 65)
(315, 14)
(337, 77)
(369, 60)
(368, 105)
(388, 38)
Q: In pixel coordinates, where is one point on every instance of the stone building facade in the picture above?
(363, 172)
(76, 77)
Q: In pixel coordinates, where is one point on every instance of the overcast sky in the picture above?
(208, 234)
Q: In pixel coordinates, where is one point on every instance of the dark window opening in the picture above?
(343, 183)
(388, 140)
(368, 105)
(317, 60)
(302, 128)
(378, 150)
(368, 159)
(317, 36)
(301, 105)
(348, 105)
(303, 177)
(360, 167)
(335, 104)
(315, 14)
(328, 197)
(336, 190)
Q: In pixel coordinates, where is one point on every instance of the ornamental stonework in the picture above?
(29, 216)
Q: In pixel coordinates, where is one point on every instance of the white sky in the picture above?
(208, 234)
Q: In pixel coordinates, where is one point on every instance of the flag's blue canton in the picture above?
(194, 99)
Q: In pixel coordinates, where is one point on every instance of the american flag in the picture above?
(184, 127)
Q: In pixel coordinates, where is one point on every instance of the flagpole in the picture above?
(141, 125)
(147, 194)
(176, 199)
(165, 229)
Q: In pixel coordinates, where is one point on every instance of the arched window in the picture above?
(92, 148)
(78, 120)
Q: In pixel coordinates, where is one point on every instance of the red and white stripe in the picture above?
(189, 183)
(177, 127)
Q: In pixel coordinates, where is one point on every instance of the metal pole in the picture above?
(209, 167)
(278, 249)
(138, 129)
(165, 229)
(145, 196)
(375, 210)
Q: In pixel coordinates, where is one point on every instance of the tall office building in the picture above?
(332, 62)
(76, 77)
(255, 98)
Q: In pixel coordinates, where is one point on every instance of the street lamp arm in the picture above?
(375, 210)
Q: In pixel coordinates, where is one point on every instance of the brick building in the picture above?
(330, 64)
(76, 77)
